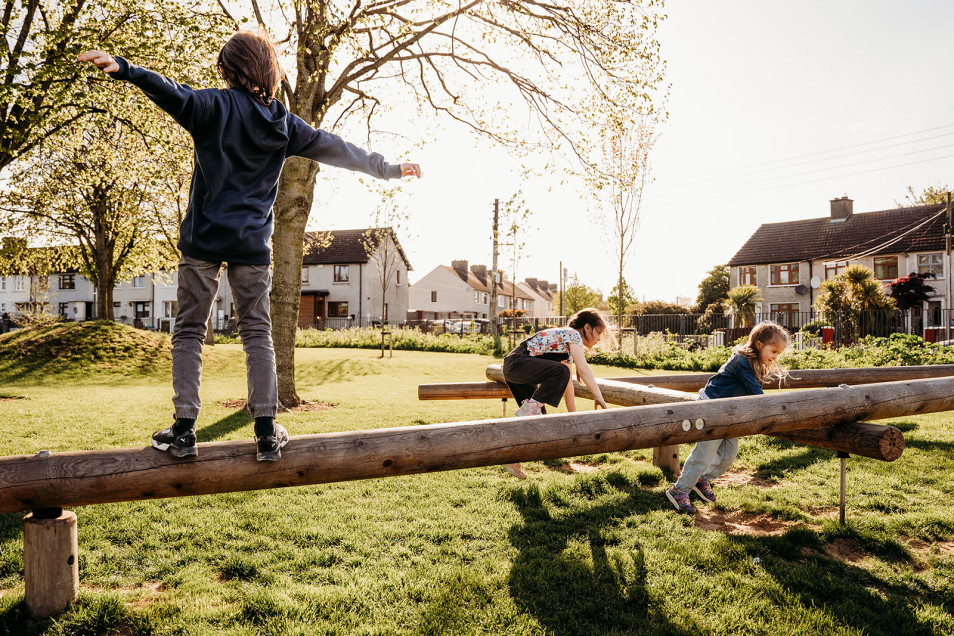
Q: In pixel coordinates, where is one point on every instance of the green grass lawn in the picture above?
(591, 547)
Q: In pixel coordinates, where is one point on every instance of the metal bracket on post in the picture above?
(843, 456)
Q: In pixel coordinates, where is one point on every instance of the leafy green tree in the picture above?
(657, 307)
(113, 184)
(713, 288)
(579, 296)
(930, 194)
(621, 302)
(569, 63)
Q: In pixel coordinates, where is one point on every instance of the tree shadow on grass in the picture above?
(850, 595)
(224, 427)
(803, 457)
(572, 592)
(929, 445)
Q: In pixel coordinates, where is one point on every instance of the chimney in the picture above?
(840, 209)
(461, 268)
(480, 271)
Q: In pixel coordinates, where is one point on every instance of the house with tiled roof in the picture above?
(341, 278)
(544, 294)
(788, 261)
(463, 291)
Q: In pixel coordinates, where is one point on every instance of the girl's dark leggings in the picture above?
(543, 378)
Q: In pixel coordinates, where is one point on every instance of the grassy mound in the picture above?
(82, 348)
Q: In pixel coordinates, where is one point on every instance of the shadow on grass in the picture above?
(224, 427)
(320, 373)
(929, 446)
(851, 596)
(591, 591)
(802, 458)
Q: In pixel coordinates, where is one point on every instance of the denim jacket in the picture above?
(735, 378)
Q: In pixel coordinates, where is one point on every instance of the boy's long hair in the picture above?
(763, 334)
(248, 62)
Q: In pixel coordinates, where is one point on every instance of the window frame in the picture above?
(341, 273)
(884, 260)
(746, 274)
(775, 271)
(940, 264)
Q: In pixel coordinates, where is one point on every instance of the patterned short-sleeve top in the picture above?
(556, 340)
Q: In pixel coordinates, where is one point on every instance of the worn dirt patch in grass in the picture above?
(12, 398)
(305, 406)
(738, 522)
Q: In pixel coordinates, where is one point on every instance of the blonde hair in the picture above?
(762, 335)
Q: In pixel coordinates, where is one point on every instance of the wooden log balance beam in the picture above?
(92, 477)
(806, 378)
(884, 443)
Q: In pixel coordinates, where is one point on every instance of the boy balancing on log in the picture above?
(242, 137)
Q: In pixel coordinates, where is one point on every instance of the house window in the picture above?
(20, 283)
(886, 267)
(341, 273)
(931, 264)
(337, 309)
(476, 296)
(304, 274)
(833, 269)
(784, 274)
(485, 299)
(64, 309)
(3, 283)
(747, 276)
(67, 281)
(433, 296)
(139, 281)
(397, 277)
(785, 314)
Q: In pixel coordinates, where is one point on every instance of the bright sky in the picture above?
(775, 109)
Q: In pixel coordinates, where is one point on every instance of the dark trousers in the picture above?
(543, 378)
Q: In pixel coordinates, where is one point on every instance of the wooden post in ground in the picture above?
(50, 561)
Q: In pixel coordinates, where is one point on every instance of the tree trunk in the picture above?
(295, 195)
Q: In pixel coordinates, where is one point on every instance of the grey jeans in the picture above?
(198, 284)
(709, 459)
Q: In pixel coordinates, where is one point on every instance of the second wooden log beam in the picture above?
(876, 441)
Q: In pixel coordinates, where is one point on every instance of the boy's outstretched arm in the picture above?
(103, 60)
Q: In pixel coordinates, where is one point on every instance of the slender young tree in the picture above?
(566, 62)
(619, 185)
(380, 243)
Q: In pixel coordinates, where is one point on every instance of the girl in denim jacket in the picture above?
(750, 365)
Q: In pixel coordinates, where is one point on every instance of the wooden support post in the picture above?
(50, 563)
(129, 474)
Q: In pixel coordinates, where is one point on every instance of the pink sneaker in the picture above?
(516, 471)
(529, 407)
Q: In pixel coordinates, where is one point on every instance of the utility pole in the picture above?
(562, 291)
(949, 284)
(494, 330)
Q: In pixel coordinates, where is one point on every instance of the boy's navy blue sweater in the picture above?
(240, 148)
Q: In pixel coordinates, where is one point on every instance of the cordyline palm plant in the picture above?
(741, 302)
(842, 300)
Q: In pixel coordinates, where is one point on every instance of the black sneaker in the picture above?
(176, 445)
(270, 446)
